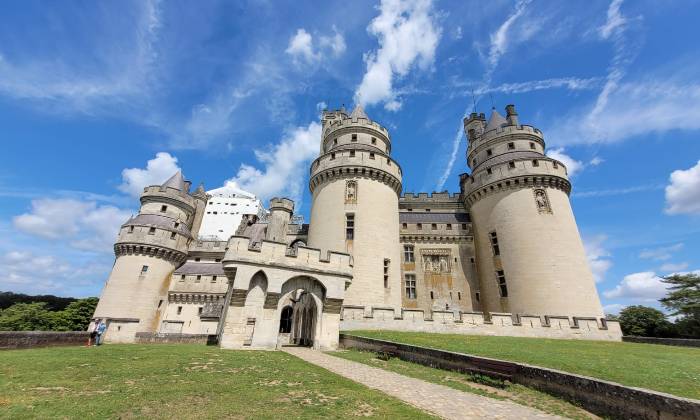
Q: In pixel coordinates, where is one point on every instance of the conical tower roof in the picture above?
(359, 112)
(176, 181)
(495, 121)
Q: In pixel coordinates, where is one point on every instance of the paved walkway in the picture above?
(437, 399)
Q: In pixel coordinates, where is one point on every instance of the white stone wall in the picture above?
(130, 294)
(189, 317)
(358, 318)
(375, 238)
(541, 254)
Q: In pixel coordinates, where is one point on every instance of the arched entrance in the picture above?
(304, 296)
(286, 320)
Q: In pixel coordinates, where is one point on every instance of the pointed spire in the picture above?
(358, 112)
(495, 121)
(176, 181)
(199, 192)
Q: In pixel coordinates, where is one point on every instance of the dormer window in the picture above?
(163, 209)
(152, 231)
(354, 137)
(131, 229)
(535, 163)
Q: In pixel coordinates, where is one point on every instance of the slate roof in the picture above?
(176, 181)
(160, 221)
(432, 217)
(495, 121)
(359, 112)
(203, 268)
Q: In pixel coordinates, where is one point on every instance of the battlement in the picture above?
(438, 197)
(281, 203)
(201, 245)
(346, 121)
(160, 193)
(526, 131)
(361, 163)
(276, 254)
(478, 323)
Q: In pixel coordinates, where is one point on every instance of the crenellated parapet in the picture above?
(278, 255)
(169, 195)
(478, 323)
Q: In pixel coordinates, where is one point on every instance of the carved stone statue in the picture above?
(542, 201)
(247, 221)
(351, 192)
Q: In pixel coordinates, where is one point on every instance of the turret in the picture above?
(149, 247)
(529, 252)
(355, 186)
(281, 210)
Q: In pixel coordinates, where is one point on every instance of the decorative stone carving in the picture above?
(436, 261)
(351, 192)
(542, 201)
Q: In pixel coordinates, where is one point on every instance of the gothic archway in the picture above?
(305, 296)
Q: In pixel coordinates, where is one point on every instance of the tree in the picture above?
(683, 299)
(26, 317)
(76, 316)
(644, 321)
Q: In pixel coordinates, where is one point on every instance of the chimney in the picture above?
(511, 115)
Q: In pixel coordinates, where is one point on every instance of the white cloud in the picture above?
(570, 83)
(408, 36)
(596, 161)
(672, 268)
(500, 38)
(633, 109)
(614, 22)
(334, 43)
(114, 74)
(616, 191)
(498, 46)
(29, 273)
(285, 165)
(660, 254)
(157, 171)
(301, 46)
(82, 224)
(573, 166)
(598, 256)
(683, 191)
(613, 308)
(646, 286)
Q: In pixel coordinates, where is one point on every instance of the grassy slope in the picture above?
(166, 381)
(470, 383)
(675, 370)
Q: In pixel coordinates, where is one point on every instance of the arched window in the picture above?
(286, 320)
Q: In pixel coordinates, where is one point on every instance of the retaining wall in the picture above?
(475, 323)
(29, 339)
(174, 338)
(684, 342)
(608, 399)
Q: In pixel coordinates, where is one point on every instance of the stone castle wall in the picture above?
(475, 323)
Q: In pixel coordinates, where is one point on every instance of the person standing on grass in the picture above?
(101, 327)
(93, 333)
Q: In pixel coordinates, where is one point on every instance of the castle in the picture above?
(501, 257)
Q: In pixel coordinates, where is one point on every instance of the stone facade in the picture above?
(501, 257)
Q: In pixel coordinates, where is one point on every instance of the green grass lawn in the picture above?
(180, 381)
(675, 370)
(476, 384)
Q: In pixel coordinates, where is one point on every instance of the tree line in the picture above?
(19, 312)
(682, 299)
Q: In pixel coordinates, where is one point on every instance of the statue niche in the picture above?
(542, 201)
(351, 192)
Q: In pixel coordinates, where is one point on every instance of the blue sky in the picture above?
(98, 99)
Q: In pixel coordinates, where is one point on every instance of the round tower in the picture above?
(529, 252)
(355, 185)
(150, 246)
